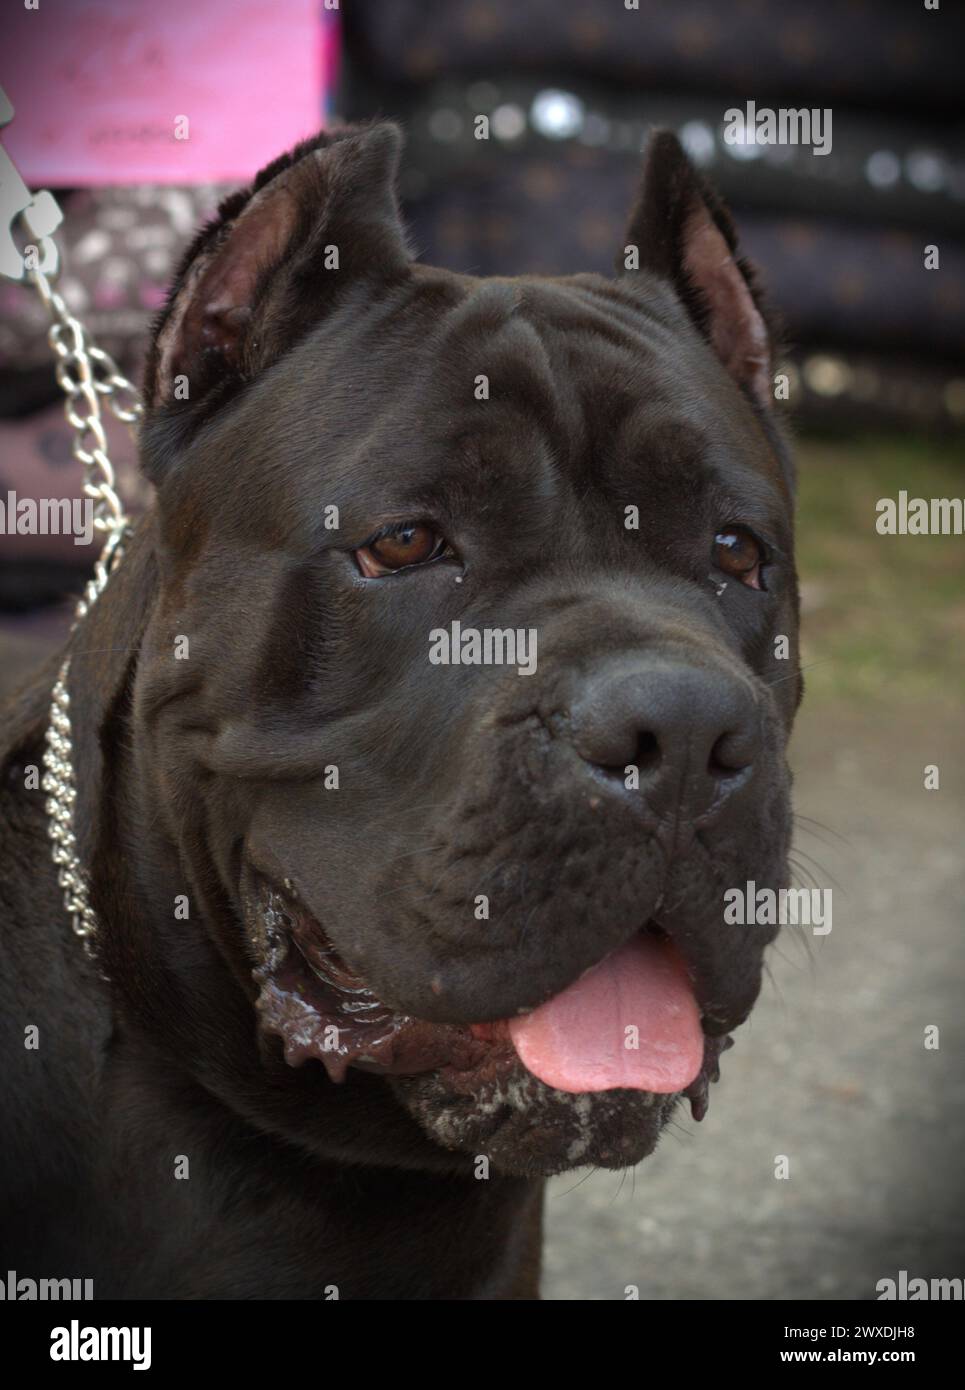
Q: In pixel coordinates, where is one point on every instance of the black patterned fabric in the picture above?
(854, 51)
(840, 238)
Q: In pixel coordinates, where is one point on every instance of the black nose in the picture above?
(692, 733)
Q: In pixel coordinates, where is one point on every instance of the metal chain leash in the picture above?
(87, 375)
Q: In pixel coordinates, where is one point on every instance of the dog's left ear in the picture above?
(681, 231)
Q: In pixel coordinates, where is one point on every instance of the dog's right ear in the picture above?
(273, 262)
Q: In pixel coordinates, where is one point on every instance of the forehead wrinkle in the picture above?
(748, 493)
(672, 458)
(659, 313)
(491, 319)
(654, 421)
(493, 333)
(640, 444)
(570, 306)
(485, 306)
(513, 496)
(518, 464)
(666, 320)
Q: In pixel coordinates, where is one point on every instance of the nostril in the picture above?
(731, 753)
(647, 756)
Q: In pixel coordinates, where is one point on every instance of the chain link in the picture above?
(87, 375)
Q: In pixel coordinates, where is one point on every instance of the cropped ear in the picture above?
(272, 262)
(681, 231)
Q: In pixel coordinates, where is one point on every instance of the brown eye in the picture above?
(740, 554)
(410, 544)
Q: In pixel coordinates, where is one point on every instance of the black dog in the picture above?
(388, 940)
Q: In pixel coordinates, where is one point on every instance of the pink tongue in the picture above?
(583, 1039)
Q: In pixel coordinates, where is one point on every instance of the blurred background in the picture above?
(832, 1072)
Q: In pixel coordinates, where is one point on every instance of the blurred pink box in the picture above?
(98, 86)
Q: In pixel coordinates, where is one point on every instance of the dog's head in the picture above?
(465, 693)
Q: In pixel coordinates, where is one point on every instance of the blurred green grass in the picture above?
(884, 616)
